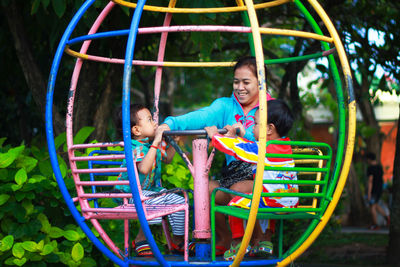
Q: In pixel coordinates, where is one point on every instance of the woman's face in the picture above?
(245, 86)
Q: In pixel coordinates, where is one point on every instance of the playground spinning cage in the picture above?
(94, 166)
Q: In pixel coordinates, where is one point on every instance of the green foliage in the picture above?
(35, 225)
(176, 174)
(59, 7)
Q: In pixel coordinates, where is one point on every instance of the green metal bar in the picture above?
(298, 58)
(299, 143)
(271, 213)
(266, 212)
(295, 169)
(280, 238)
(246, 21)
(212, 218)
(297, 156)
(288, 210)
(299, 182)
(302, 195)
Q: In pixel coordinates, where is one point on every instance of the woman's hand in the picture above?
(165, 127)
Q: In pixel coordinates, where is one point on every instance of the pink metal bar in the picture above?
(194, 28)
(107, 144)
(105, 195)
(71, 100)
(105, 183)
(167, 233)
(210, 160)
(126, 238)
(102, 157)
(160, 58)
(105, 237)
(153, 212)
(99, 170)
(201, 196)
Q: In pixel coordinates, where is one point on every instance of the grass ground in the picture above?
(346, 249)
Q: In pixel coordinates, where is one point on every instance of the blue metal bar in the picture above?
(253, 262)
(126, 131)
(50, 136)
(98, 35)
(99, 162)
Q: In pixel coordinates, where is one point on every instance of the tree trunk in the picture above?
(394, 233)
(104, 109)
(168, 101)
(33, 76)
(358, 214)
(87, 92)
(374, 142)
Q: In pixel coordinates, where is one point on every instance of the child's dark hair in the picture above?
(134, 108)
(370, 156)
(280, 115)
(251, 63)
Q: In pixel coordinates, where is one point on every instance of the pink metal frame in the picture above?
(124, 212)
(199, 169)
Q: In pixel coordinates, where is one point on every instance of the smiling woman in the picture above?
(239, 108)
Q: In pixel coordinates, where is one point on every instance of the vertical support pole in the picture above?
(126, 238)
(202, 230)
(201, 197)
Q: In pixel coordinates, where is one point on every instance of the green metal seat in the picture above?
(312, 164)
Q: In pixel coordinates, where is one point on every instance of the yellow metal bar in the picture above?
(75, 54)
(271, 31)
(201, 10)
(338, 44)
(318, 178)
(197, 64)
(262, 135)
(294, 33)
(350, 141)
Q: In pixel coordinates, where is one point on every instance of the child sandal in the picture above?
(178, 249)
(263, 249)
(142, 249)
(230, 254)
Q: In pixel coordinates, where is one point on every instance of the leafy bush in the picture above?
(177, 174)
(36, 227)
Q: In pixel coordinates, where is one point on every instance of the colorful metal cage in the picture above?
(320, 211)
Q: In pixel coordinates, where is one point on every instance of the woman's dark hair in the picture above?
(280, 115)
(250, 62)
(134, 108)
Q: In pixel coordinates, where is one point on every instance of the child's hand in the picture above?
(231, 131)
(158, 136)
(242, 131)
(211, 131)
